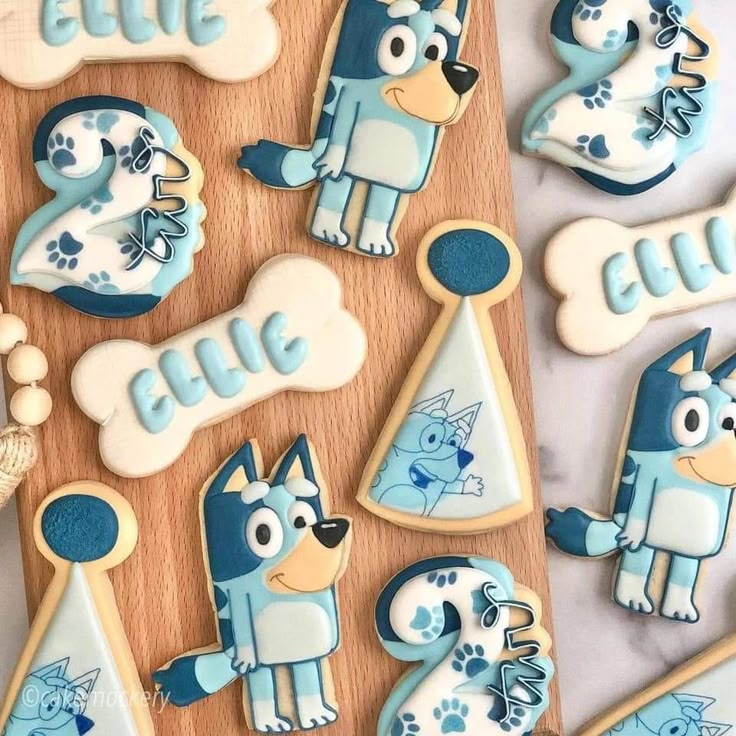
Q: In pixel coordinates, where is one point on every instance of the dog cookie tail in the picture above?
(192, 677)
(576, 533)
(278, 165)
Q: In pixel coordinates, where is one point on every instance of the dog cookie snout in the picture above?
(464, 458)
(331, 532)
(460, 77)
(83, 724)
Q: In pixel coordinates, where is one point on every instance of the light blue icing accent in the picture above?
(285, 356)
(169, 15)
(658, 279)
(189, 390)
(57, 28)
(695, 275)
(621, 298)
(136, 27)
(155, 414)
(721, 244)
(246, 345)
(226, 382)
(97, 21)
(203, 29)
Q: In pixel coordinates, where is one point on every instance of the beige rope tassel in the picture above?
(29, 406)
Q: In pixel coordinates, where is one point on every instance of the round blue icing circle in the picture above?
(468, 261)
(80, 528)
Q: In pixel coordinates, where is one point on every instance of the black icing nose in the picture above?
(331, 531)
(460, 77)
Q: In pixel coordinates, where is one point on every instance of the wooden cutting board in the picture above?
(162, 589)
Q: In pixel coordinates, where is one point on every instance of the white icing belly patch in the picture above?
(385, 153)
(293, 632)
(683, 521)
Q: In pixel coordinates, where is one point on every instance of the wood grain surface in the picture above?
(162, 589)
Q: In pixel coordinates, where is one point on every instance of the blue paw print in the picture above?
(596, 146)
(97, 200)
(136, 157)
(101, 283)
(429, 622)
(405, 725)
(658, 16)
(103, 121)
(643, 134)
(470, 660)
(514, 721)
(451, 714)
(60, 150)
(63, 252)
(542, 125)
(597, 94)
(440, 579)
(589, 9)
(614, 39)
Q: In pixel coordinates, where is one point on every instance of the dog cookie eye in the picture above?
(690, 421)
(436, 47)
(301, 515)
(727, 417)
(397, 50)
(264, 533)
(50, 706)
(431, 438)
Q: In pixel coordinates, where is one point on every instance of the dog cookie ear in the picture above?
(77, 645)
(296, 463)
(430, 469)
(686, 357)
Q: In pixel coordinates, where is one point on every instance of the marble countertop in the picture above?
(604, 653)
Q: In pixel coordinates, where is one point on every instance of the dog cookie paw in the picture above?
(674, 485)
(76, 674)
(611, 280)
(378, 120)
(290, 333)
(451, 457)
(274, 554)
(44, 42)
(696, 698)
(485, 665)
(125, 224)
(640, 96)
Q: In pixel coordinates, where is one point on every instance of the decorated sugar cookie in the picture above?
(696, 699)
(76, 675)
(673, 486)
(452, 457)
(122, 231)
(274, 555)
(640, 96)
(290, 332)
(43, 42)
(612, 280)
(483, 664)
(390, 83)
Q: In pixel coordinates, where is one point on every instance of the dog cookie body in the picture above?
(640, 95)
(695, 699)
(674, 485)
(122, 231)
(76, 674)
(274, 556)
(390, 83)
(43, 42)
(483, 657)
(452, 457)
(290, 332)
(612, 280)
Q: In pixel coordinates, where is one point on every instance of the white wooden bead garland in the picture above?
(29, 406)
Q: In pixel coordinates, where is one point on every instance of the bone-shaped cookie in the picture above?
(44, 41)
(290, 332)
(612, 280)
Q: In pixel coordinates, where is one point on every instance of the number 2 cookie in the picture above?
(43, 42)
(640, 96)
(76, 674)
(391, 82)
(125, 223)
(673, 487)
(483, 656)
